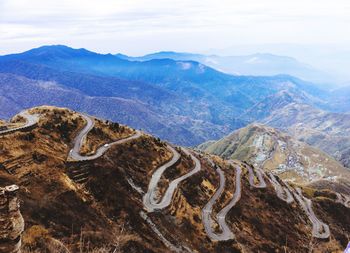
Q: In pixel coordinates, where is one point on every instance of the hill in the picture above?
(275, 151)
(144, 111)
(325, 130)
(136, 193)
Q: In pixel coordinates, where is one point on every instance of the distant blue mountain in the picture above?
(196, 101)
(255, 64)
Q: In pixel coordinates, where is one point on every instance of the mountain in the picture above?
(18, 93)
(193, 101)
(275, 151)
(259, 64)
(324, 130)
(110, 202)
(268, 105)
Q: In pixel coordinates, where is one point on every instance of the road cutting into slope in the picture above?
(149, 199)
(74, 153)
(260, 175)
(319, 228)
(226, 233)
(282, 192)
(31, 120)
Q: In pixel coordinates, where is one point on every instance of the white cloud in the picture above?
(139, 26)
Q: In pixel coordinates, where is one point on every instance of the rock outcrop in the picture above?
(11, 220)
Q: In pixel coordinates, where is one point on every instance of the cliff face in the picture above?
(11, 220)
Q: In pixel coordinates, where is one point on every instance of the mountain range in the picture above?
(260, 64)
(277, 143)
(185, 102)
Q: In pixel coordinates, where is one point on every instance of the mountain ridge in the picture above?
(86, 205)
(201, 99)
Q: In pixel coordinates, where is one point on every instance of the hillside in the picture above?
(111, 201)
(18, 92)
(275, 151)
(268, 105)
(187, 102)
(325, 130)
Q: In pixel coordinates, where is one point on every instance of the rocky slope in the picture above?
(99, 205)
(273, 150)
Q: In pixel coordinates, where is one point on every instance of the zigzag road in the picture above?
(149, 199)
(74, 153)
(259, 174)
(281, 191)
(226, 233)
(319, 229)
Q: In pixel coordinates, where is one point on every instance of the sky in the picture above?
(137, 27)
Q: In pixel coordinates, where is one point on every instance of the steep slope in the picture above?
(99, 204)
(275, 151)
(327, 131)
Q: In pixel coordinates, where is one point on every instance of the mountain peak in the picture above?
(59, 50)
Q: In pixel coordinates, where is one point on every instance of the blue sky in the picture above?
(138, 26)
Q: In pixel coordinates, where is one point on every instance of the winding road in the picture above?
(152, 203)
(207, 210)
(281, 191)
(149, 199)
(31, 120)
(226, 233)
(319, 229)
(74, 153)
(221, 216)
(260, 175)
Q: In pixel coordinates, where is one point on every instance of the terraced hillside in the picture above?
(135, 193)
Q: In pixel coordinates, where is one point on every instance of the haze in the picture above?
(316, 32)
